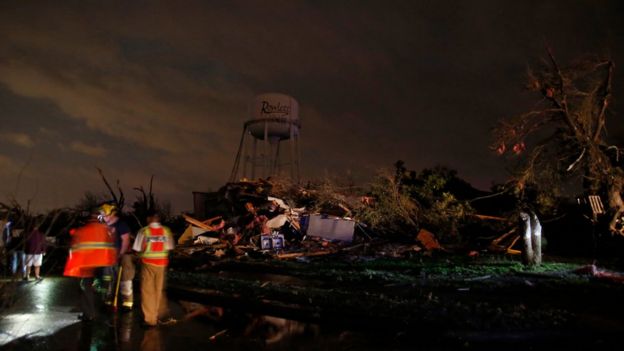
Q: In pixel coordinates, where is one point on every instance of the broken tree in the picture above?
(564, 137)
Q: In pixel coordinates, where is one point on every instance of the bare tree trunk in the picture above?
(536, 239)
(527, 245)
(531, 239)
(615, 203)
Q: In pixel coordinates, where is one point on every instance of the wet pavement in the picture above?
(40, 308)
(44, 316)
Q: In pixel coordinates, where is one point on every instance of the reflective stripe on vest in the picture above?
(155, 252)
(92, 247)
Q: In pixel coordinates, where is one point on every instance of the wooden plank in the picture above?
(596, 204)
(210, 220)
(196, 222)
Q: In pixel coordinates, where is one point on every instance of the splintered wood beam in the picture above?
(210, 220)
(196, 222)
(513, 251)
(502, 237)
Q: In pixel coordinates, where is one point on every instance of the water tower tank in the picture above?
(274, 114)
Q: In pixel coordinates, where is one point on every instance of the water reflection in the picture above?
(124, 333)
(18, 325)
(96, 337)
(152, 340)
(85, 338)
(41, 291)
(266, 329)
(44, 318)
(273, 329)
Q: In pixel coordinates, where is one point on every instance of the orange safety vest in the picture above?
(155, 251)
(92, 247)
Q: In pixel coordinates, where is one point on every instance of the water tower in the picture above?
(269, 145)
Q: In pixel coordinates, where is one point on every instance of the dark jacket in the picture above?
(35, 243)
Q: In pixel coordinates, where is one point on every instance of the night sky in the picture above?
(145, 87)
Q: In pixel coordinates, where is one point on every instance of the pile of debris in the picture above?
(248, 219)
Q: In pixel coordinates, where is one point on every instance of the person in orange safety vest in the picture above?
(91, 248)
(153, 244)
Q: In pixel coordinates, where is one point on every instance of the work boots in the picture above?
(126, 295)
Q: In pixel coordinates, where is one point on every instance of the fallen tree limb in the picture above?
(302, 254)
(494, 218)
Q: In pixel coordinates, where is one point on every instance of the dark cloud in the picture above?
(142, 88)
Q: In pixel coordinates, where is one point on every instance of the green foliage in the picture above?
(393, 210)
(406, 201)
(327, 197)
(442, 212)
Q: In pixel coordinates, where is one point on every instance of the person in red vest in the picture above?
(153, 244)
(92, 247)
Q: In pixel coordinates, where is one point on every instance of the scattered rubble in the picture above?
(282, 221)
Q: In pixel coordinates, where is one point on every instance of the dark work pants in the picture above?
(87, 297)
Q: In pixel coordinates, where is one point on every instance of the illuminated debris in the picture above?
(505, 243)
(331, 228)
(428, 240)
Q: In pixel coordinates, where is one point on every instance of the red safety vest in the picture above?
(92, 247)
(155, 250)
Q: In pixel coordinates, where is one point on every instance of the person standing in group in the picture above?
(92, 247)
(6, 239)
(35, 247)
(121, 232)
(15, 250)
(153, 243)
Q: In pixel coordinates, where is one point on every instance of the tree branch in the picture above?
(122, 199)
(563, 104)
(571, 166)
(605, 102)
(110, 189)
(151, 194)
